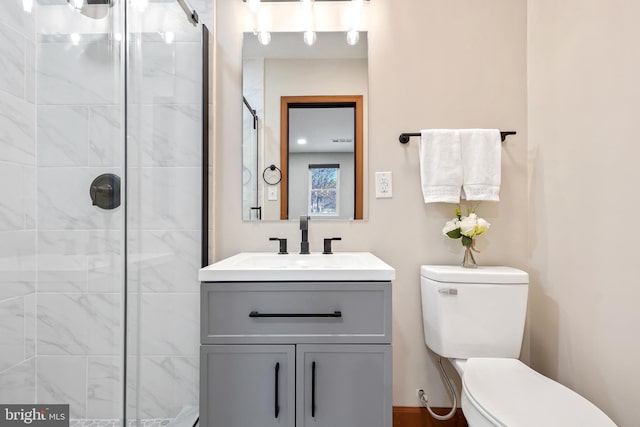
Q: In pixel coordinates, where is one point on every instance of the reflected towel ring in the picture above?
(272, 175)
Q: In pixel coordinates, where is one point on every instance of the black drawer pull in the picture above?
(313, 389)
(277, 390)
(335, 314)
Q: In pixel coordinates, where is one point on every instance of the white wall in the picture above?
(431, 64)
(584, 63)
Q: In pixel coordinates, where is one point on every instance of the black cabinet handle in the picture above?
(313, 389)
(277, 389)
(255, 314)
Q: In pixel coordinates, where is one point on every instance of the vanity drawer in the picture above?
(294, 312)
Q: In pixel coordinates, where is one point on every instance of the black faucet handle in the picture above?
(283, 245)
(327, 245)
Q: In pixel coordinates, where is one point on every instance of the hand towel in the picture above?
(481, 163)
(440, 165)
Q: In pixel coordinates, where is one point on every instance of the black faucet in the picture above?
(283, 245)
(304, 226)
(327, 245)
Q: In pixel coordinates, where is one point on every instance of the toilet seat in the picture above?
(506, 392)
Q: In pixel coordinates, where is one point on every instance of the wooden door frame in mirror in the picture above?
(339, 100)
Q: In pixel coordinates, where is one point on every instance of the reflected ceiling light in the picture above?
(141, 5)
(27, 5)
(169, 37)
(117, 37)
(264, 37)
(353, 36)
(76, 4)
(301, 141)
(75, 38)
(254, 5)
(306, 4)
(309, 38)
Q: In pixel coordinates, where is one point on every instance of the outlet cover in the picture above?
(384, 185)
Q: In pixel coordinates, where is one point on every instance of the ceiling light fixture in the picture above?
(301, 141)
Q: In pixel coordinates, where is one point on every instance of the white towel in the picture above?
(481, 162)
(440, 165)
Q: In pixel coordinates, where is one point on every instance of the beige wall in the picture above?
(431, 64)
(584, 122)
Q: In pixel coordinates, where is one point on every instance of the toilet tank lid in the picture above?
(482, 274)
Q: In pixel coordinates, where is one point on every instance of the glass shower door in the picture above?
(165, 158)
(61, 270)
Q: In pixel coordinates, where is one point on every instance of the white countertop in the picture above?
(271, 267)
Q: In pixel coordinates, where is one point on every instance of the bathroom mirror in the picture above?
(292, 91)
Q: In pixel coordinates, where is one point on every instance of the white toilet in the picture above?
(475, 318)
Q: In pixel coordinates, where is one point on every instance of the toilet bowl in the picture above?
(475, 318)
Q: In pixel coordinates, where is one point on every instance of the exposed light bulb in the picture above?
(264, 37)
(254, 5)
(75, 38)
(169, 37)
(309, 37)
(27, 5)
(353, 36)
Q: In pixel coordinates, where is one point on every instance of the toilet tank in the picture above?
(476, 312)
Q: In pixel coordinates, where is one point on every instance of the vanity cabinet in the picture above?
(294, 354)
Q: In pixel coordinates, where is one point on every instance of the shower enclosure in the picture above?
(99, 295)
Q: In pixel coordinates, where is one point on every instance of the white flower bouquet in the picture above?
(466, 228)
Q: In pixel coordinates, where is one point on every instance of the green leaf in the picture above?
(467, 240)
(454, 234)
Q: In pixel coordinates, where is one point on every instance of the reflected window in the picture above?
(324, 190)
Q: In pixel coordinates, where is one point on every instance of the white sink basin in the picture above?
(266, 266)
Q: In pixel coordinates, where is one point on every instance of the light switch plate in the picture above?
(272, 193)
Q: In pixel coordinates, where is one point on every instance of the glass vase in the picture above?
(469, 261)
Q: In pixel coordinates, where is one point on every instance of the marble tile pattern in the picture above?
(60, 127)
(17, 204)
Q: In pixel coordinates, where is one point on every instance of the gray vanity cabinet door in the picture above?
(343, 386)
(247, 386)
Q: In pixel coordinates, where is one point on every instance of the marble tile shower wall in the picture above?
(79, 299)
(60, 257)
(17, 204)
(79, 329)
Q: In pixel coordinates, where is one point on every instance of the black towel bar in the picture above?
(404, 137)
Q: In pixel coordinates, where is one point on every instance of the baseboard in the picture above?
(410, 416)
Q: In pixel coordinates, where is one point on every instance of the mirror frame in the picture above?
(355, 101)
